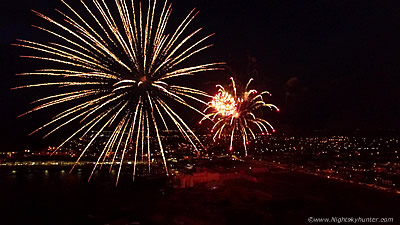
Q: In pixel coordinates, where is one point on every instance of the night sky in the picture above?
(331, 64)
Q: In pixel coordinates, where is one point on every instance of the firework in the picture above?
(234, 112)
(111, 65)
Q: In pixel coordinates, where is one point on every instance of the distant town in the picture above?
(369, 161)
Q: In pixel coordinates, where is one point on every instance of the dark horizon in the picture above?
(330, 65)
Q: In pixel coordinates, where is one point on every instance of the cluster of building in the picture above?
(366, 160)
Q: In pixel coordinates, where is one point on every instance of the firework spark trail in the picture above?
(234, 111)
(112, 65)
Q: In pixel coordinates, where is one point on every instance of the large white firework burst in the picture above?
(112, 65)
